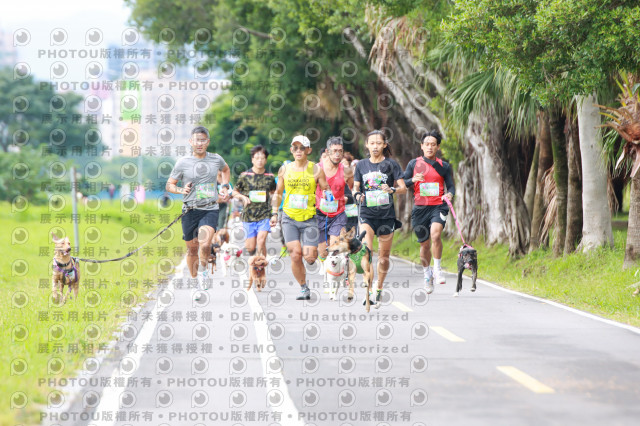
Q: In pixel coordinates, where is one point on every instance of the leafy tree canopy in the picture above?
(557, 48)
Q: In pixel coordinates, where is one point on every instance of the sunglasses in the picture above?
(298, 148)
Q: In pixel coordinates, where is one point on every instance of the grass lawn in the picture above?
(593, 282)
(35, 334)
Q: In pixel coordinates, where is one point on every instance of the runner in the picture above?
(254, 187)
(430, 176)
(299, 224)
(283, 245)
(379, 177)
(331, 213)
(199, 175)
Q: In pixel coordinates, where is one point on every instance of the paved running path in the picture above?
(247, 358)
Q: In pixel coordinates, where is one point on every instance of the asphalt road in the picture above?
(492, 357)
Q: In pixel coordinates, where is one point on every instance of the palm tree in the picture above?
(626, 121)
(495, 115)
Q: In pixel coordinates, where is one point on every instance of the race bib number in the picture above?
(205, 190)
(258, 196)
(377, 198)
(351, 210)
(328, 206)
(298, 201)
(429, 189)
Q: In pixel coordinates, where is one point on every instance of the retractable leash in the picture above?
(453, 212)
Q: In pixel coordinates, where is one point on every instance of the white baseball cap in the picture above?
(303, 140)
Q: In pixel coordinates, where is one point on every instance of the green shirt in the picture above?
(258, 188)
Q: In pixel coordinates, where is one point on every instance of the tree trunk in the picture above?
(404, 81)
(545, 161)
(560, 176)
(488, 200)
(574, 188)
(596, 227)
(632, 250)
(530, 192)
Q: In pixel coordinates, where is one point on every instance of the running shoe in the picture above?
(428, 284)
(439, 276)
(305, 294)
(378, 298)
(204, 279)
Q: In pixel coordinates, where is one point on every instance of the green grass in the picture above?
(38, 316)
(593, 282)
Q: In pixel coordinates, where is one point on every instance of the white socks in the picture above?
(436, 264)
(427, 272)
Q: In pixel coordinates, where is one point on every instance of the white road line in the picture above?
(110, 399)
(287, 408)
(402, 307)
(446, 334)
(548, 302)
(524, 379)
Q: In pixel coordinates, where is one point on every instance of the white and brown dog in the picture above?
(337, 268)
(65, 270)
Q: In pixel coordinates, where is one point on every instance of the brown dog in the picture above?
(257, 273)
(349, 244)
(65, 270)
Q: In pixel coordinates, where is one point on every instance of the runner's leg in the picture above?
(384, 250)
(192, 257)
(262, 242)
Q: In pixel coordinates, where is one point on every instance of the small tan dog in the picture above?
(257, 272)
(65, 270)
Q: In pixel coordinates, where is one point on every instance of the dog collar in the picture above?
(335, 274)
(258, 268)
(62, 265)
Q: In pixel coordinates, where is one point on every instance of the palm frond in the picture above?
(497, 90)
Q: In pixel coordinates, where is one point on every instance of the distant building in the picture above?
(8, 53)
(159, 105)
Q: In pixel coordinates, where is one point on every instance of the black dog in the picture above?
(467, 259)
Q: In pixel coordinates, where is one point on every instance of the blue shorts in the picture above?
(194, 219)
(330, 225)
(251, 229)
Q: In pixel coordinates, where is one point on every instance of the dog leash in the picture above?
(185, 211)
(453, 212)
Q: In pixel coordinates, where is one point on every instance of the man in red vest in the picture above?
(430, 176)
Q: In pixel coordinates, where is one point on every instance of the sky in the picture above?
(32, 24)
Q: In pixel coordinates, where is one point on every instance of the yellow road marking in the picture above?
(446, 334)
(525, 380)
(402, 307)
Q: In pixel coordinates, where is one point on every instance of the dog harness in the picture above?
(71, 275)
(358, 255)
